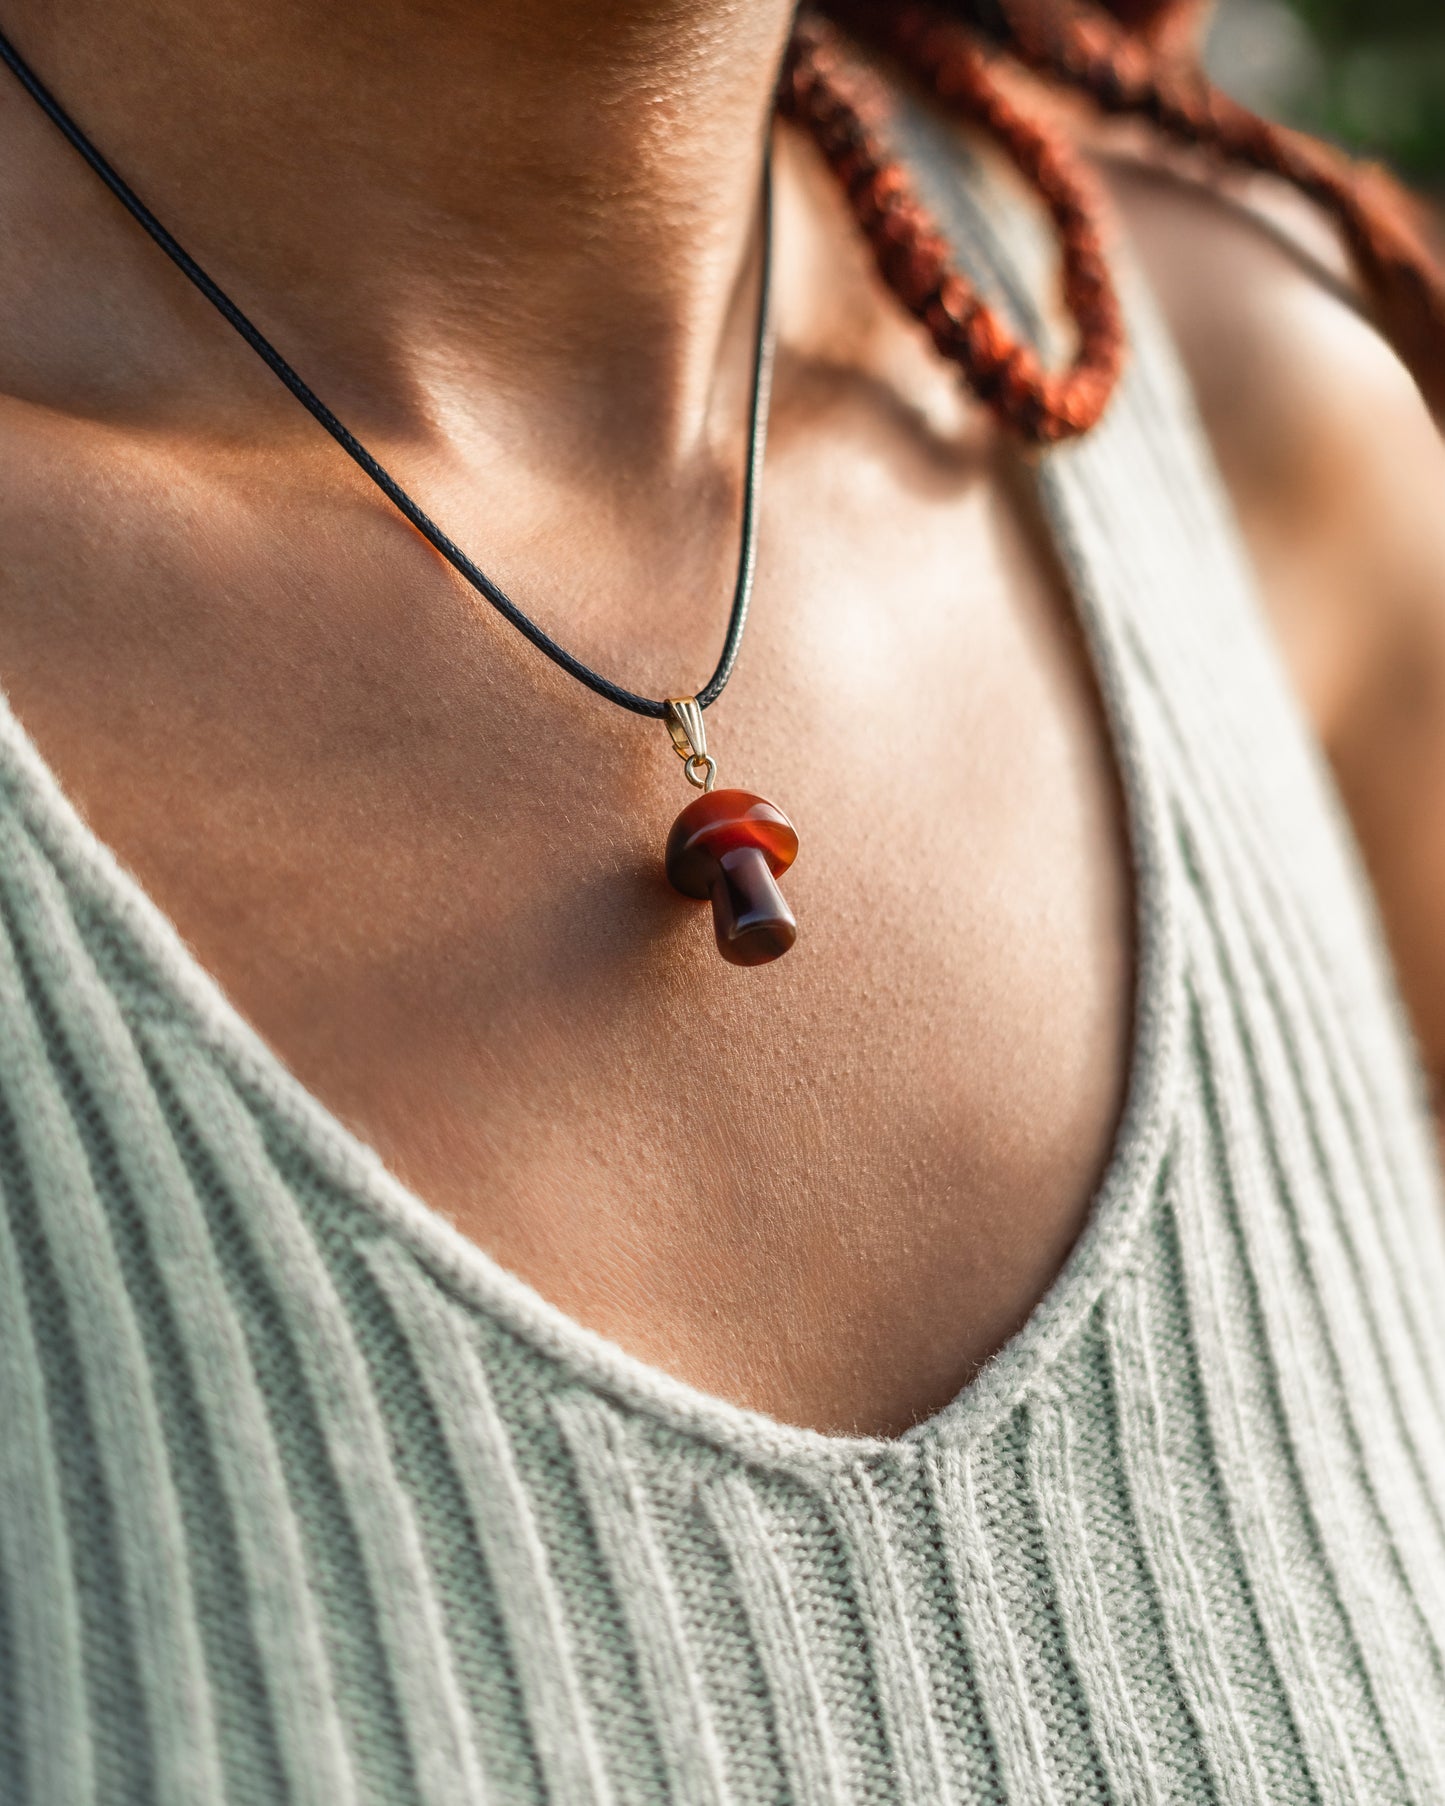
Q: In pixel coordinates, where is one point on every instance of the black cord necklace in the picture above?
(728, 845)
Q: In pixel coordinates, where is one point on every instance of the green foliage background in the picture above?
(1378, 81)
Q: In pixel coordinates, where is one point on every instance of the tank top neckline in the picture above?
(179, 988)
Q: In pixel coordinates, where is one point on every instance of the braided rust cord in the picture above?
(1131, 58)
(844, 111)
(1123, 74)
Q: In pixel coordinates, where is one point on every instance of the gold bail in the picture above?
(684, 723)
(683, 716)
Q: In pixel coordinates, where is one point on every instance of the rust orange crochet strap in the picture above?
(845, 110)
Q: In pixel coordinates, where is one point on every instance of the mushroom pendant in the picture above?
(729, 846)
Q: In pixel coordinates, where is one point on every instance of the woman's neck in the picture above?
(549, 198)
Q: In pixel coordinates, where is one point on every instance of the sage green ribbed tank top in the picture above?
(303, 1500)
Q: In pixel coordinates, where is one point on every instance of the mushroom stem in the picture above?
(749, 913)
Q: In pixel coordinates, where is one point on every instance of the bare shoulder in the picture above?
(1325, 443)
(1337, 469)
(1323, 437)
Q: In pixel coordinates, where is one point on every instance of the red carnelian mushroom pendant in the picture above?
(730, 846)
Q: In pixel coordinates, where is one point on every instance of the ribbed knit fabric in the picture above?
(303, 1500)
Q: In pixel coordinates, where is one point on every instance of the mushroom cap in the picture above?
(719, 822)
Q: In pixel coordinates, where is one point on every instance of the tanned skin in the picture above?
(424, 863)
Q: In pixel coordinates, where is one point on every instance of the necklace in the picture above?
(728, 846)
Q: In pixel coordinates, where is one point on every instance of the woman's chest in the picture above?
(427, 867)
